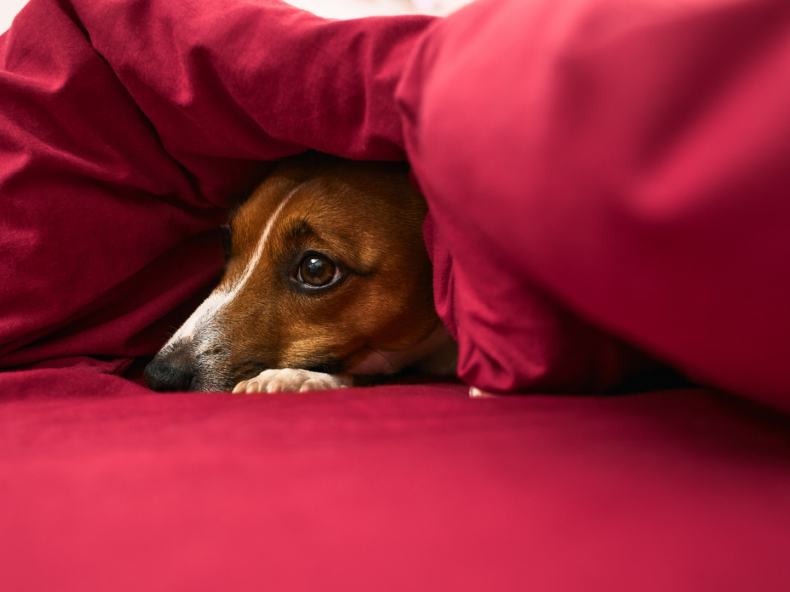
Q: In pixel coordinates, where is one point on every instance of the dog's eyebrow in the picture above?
(301, 228)
(302, 233)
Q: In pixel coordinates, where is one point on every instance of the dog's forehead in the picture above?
(251, 218)
(320, 213)
(364, 216)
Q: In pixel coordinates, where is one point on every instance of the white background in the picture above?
(8, 9)
(326, 8)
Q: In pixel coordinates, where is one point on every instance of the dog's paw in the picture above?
(290, 380)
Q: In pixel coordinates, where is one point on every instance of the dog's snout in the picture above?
(170, 371)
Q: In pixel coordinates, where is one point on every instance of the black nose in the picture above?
(170, 370)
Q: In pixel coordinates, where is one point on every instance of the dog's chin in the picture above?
(213, 384)
(325, 365)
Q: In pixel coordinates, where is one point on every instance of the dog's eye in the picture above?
(317, 271)
(227, 240)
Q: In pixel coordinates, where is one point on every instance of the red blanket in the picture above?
(129, 128)
(631, 159)
(597, 172)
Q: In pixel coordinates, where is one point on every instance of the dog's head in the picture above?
(326, 269)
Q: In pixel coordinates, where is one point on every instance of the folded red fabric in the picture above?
(128, 128)
(631, 159)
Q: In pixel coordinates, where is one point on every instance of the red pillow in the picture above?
(633, 161)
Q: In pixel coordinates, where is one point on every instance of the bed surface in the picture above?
(108, 486)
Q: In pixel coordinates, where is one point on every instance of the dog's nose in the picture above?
(170, 371)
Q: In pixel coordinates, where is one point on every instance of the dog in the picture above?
(327, 280)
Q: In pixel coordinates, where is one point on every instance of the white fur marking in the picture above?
(256, 257)
(219, 299)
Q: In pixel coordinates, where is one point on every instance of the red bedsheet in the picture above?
(108, 486)
(598, 172)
